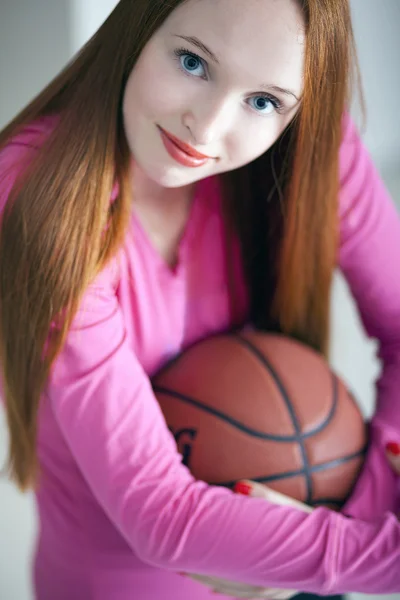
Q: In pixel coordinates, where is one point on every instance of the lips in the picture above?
(182, 152)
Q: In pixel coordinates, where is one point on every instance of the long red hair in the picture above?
(283, 205)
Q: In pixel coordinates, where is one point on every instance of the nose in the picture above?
(208, 123)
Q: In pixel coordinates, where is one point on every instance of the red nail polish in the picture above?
(242, 488)
(393, 448)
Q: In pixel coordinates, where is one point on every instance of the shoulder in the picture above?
(351, 149)
(30, 137)
(360, 182)
(15, 157)
(20, 150)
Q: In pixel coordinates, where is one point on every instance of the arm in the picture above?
(114, 428)
(370, 261)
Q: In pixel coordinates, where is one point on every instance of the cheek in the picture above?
(154, 89)
(250, 143)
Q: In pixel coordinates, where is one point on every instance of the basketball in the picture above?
(267, 408)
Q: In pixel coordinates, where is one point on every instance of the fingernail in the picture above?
(242, 488)
(393, 448)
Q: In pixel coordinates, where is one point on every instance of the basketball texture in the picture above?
(267, 408)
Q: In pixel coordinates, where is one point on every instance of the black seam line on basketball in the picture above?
(331, 464)
(255, 351)
(253, 432)
(282, 389)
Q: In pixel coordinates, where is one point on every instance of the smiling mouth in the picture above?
(185, 147)
(182, 152)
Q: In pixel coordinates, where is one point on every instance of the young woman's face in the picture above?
(224, 77)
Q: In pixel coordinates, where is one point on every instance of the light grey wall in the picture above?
(36, 38)
(376, 27)
(86, 17)
(35, 42)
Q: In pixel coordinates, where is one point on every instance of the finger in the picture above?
(277, 594)
(238, 590)
(257, 490)
(261, 594)
(239, 595)
(232, 593)
(227, 588)
(286, 594)
(203, 579)
(280, 594)
(255, 592)
(393, 455)
(245, 591)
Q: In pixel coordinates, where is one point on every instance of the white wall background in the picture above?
(37, 37)
(376, 27)
(35, 42)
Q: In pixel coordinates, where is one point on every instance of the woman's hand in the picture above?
(256, 490)
(233, 589)
(393, 454)
(242, 590)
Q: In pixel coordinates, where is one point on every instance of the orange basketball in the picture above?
(267, 408)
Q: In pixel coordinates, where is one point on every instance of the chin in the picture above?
(169, 176)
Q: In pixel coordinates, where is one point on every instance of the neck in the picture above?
(145, 190)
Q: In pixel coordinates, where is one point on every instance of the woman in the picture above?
(179, 178)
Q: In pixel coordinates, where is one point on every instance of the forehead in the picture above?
(262, 38)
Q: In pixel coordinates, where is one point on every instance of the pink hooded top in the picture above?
(119, 514)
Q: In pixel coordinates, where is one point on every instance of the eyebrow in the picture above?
(276, 88)
(263, 86)
(199, 44)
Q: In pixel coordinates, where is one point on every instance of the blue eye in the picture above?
(190, 63)
(265, 104)
(194, 66)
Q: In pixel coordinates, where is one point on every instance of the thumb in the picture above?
(258, 490)
(393, 455)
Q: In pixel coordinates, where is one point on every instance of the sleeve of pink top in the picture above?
(113, 425)
(115, 430)
(370, 261)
